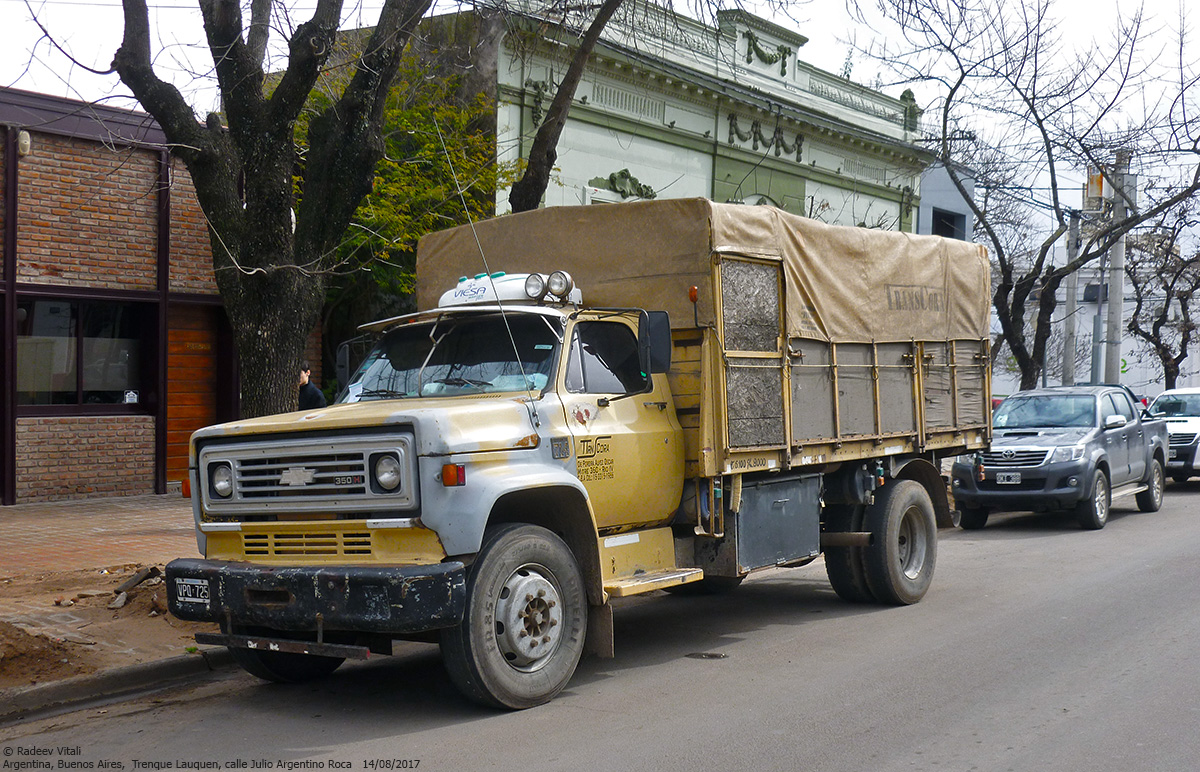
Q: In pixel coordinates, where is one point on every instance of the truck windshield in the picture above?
(1046, 412)
(459, 355)
(1177, 405)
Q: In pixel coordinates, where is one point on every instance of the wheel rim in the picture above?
(1157, 483)
(1100, 498)
(529, 617)
(911, 543)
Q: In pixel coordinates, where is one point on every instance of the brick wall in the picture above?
(191, 256)
(88, 215)
(64, 458)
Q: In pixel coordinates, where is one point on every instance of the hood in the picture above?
(442, 426)
(1183, 424)
(1033, 437)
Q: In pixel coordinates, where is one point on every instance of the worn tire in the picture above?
(900, 561)
(524, 591)
(284, 667)
(844, 565)
(972, 518)
(1150, 500)
(1092, 512)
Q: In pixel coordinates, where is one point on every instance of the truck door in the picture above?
(628, 443)
(1135, 435)
(1116, 441)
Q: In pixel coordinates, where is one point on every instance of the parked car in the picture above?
(1180, 408)
(1064, 448)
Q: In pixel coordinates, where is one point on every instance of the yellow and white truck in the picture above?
(656, 395)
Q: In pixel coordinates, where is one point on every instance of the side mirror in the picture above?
(1115, 422)
(659, 338)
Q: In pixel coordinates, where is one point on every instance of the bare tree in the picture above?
(1164, 282)
(273, 237)
(1041, 115)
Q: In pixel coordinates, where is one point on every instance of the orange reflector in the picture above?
(694, 293)
(186, 488)
(454, 475)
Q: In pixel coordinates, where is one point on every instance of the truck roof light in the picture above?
(535, 286)
(560, 284)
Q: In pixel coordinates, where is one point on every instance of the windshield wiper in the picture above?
(381, 394)
(454, 380)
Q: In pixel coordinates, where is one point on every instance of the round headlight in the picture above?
(222, 480)
(560, 284)
(535, 286)
(387, 472)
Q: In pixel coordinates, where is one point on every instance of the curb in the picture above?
(20, 702)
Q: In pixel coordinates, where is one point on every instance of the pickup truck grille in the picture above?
(308, 475)
(1182, 439)
(1014, 457)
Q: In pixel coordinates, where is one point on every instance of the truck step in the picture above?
(1128, 490)
(623, 586)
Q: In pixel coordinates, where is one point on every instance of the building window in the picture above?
(949, 224)
(83, 352)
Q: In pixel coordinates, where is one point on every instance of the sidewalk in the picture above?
(59, 565)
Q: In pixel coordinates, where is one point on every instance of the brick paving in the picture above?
(95, 533)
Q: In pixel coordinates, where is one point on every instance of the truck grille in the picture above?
(1182, 439)
(308, 475)
(333, 543)
(1014, 457)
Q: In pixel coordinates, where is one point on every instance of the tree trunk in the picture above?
(527, 192)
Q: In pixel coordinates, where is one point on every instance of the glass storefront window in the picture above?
(76, 352)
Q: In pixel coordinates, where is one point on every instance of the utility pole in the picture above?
(1068, 360)
(1116, 277)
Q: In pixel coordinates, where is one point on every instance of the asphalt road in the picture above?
(1040, 647)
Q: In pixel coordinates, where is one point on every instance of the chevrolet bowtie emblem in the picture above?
(297, 475)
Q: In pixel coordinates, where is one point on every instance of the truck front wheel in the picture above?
(1092, 512)
(284, 667)
(900, 560)
(525, 621)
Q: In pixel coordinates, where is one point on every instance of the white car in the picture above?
(1181, 409)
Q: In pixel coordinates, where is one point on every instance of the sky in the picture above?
(90, 31)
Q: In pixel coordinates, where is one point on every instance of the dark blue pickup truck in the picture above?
(1064, 448)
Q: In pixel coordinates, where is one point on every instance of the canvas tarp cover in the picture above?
(841, 284)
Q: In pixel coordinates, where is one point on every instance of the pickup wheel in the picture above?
(844, 565)
(525, 621)
(972, 518)
(1150, 500)
(284, 667)
(1092, 512)
(899, 563)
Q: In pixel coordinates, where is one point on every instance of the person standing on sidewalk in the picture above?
(310, 396)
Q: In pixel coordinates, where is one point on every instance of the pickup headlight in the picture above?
(220, 478)
(387, 471)
(1070, 453)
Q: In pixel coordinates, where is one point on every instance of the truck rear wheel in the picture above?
(844, 565)
(1150, 500)
(525, 621)
(900, 561)
(1092, 512)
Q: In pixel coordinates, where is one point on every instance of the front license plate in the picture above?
(1008, 478)
(191, 590)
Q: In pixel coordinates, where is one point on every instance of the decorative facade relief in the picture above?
(755, 135)
(755, 49)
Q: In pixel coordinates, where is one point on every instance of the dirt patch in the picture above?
(55, 625)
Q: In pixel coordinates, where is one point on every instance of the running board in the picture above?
(258, 643)
(1128, 490)
(647, 581)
